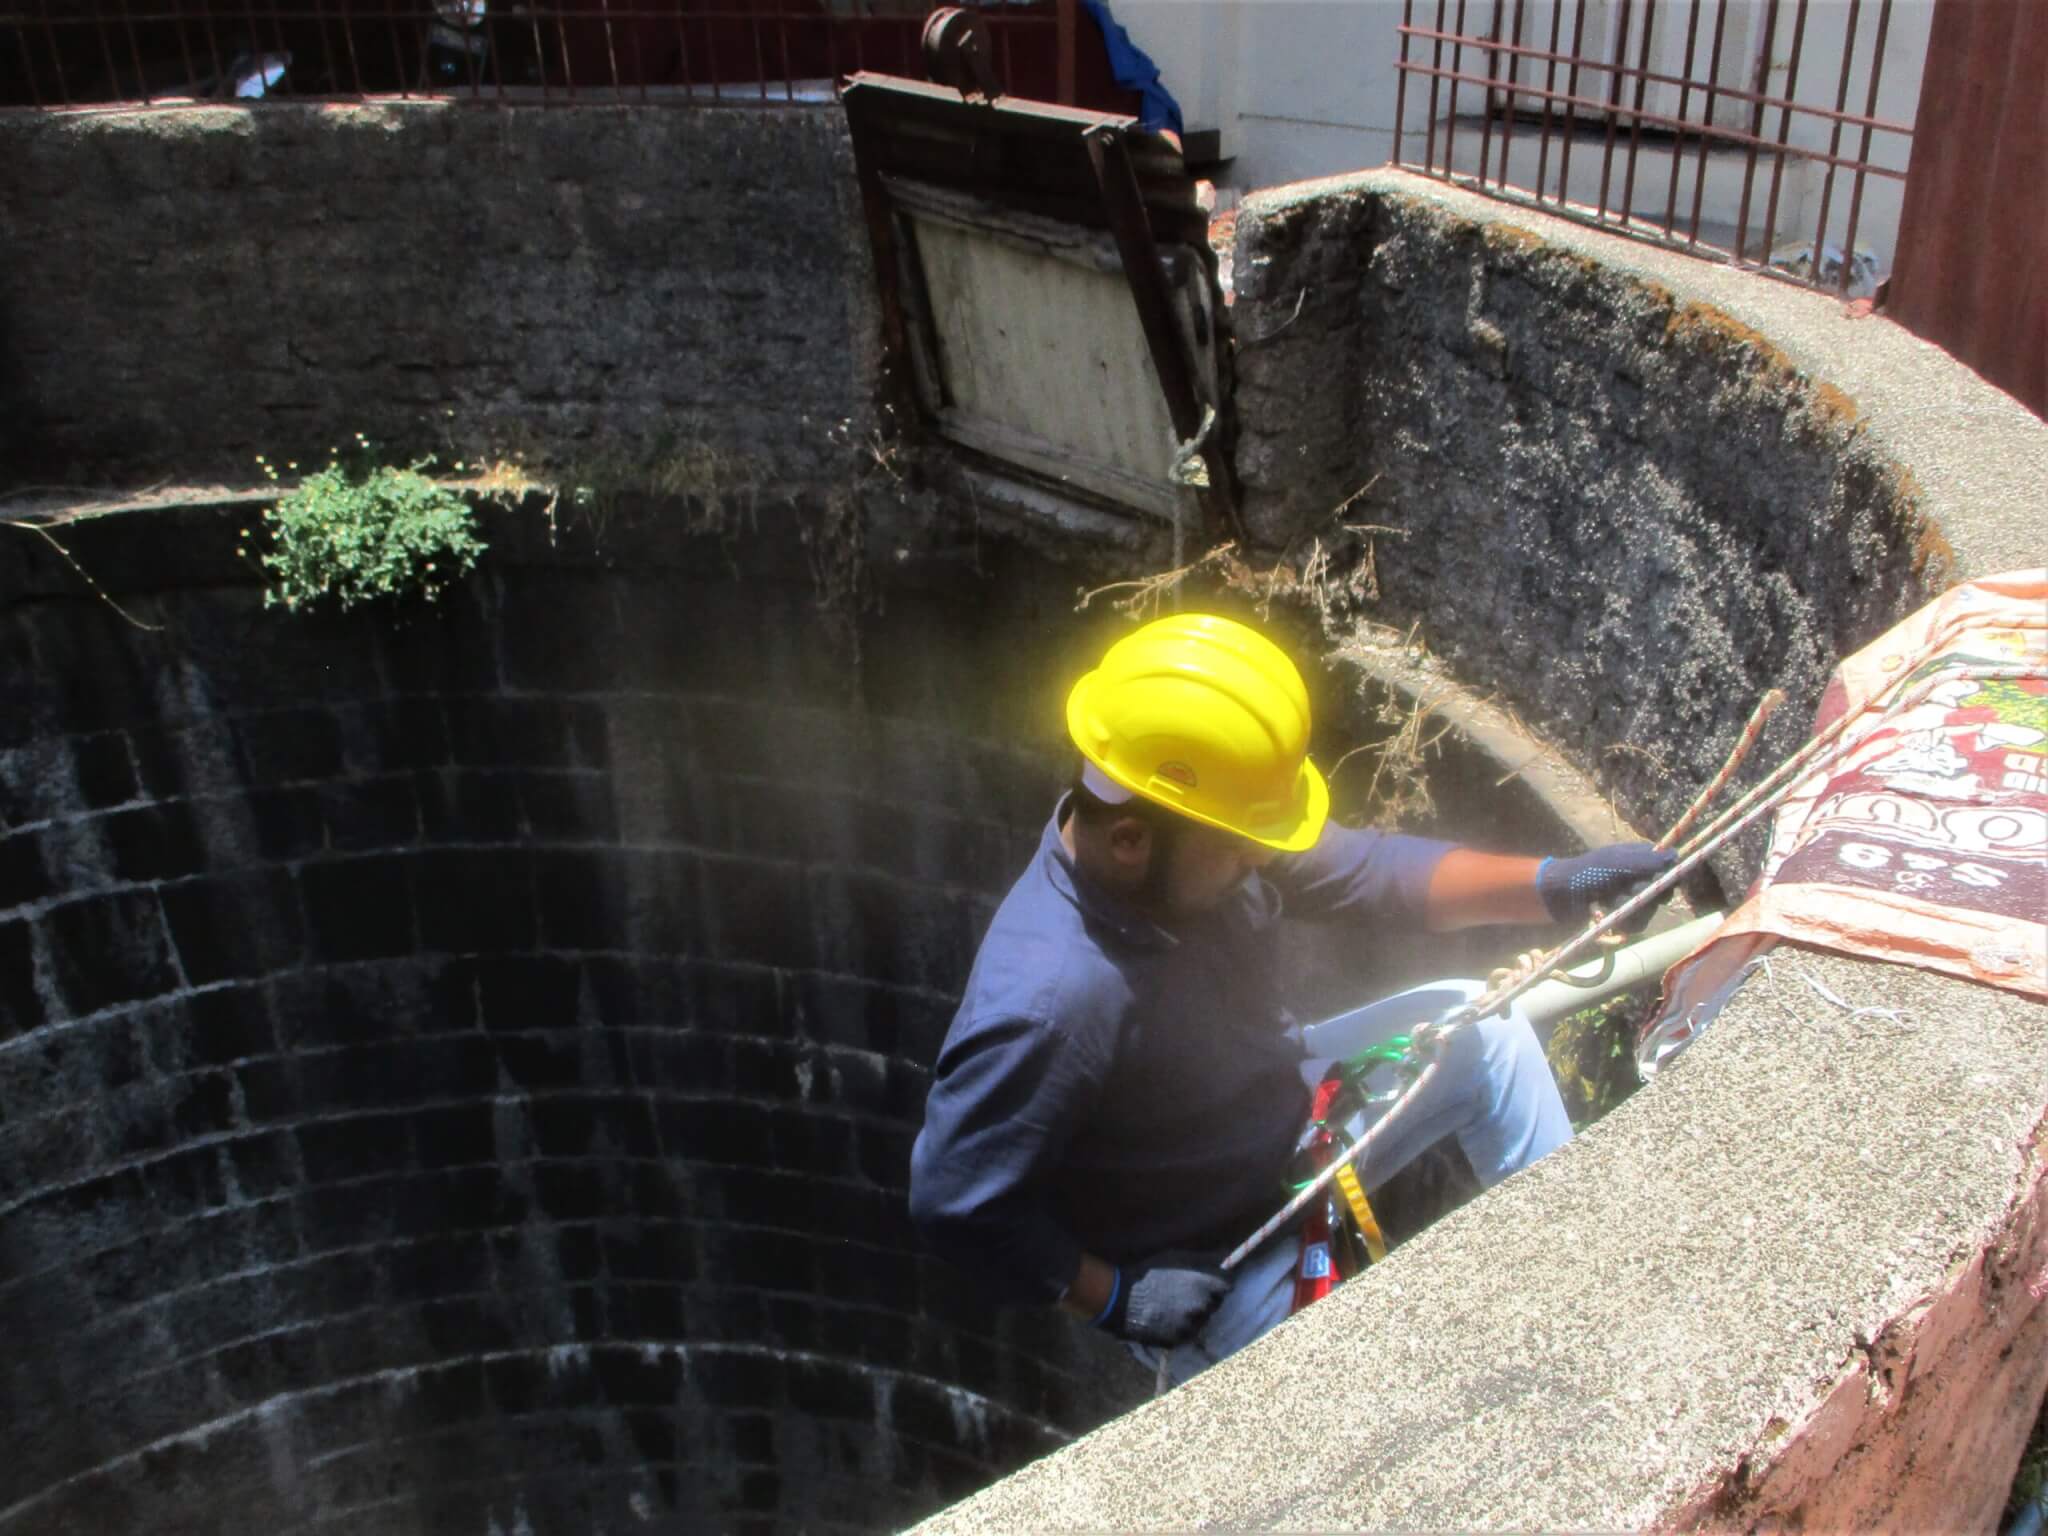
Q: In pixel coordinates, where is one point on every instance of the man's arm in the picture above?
(1005, 1096)
(1089, 1291)
(1468, 889)
(1439, 886)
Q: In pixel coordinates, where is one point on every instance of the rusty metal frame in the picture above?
(1618, 110)
(1090, 170)
(90, 55)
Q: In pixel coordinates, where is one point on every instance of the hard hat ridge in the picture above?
(1208, 717)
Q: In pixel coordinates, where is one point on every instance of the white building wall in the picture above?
(1304, 88)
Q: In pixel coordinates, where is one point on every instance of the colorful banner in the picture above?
(1922, 836)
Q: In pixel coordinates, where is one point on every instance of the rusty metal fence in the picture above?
(1618, 113)
(71, 54)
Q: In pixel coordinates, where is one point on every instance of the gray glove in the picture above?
(1165, 1300)
(1603, 878)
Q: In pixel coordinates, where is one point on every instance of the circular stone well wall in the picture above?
(459, 1075)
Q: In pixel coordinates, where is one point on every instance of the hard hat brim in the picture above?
(1294, 832)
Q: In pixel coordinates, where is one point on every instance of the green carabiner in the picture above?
(1396, 1051)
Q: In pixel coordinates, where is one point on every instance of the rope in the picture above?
(1430, 1038)
(1766, 706)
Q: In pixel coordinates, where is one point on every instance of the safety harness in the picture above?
(1339, 1234)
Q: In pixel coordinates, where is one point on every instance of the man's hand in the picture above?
(1603, 878)
(1165, 1300)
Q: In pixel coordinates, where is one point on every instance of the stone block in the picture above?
(288, 746)
(474, 900)
(111, 948)
(568, 807)
(499, 732)
(708, 1131)
(261, 1166)
(394, 735)
(359, 908)
(528, 992)
(757, 911)
(560, 629)
(228, 1024)
(24, 878)
(809, 1141)
(737, 1379)
(105, 769)
(466, 805)
(235, 925)
(151, 843)
(287, 823)
(360, 814)
(453, 1137)
(358, 1147)
(270, 1090)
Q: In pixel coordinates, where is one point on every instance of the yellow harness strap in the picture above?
(1361, 1212)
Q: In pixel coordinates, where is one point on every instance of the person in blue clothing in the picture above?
(1120, 1095)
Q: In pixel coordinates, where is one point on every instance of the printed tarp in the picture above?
(1922, 834)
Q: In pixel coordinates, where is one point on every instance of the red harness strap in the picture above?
(1315, 1274)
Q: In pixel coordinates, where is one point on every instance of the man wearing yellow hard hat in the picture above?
(1121, 1093)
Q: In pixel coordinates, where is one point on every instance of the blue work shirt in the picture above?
(1118, 1086)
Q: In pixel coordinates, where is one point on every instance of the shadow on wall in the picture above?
(464, 1070)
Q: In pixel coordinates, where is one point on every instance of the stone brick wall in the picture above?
(1628, 512)
(459, 1074)
(180, 291)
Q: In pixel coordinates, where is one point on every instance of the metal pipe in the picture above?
(1626, 968)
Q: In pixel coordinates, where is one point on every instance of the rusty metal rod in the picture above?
(1486, 102)
(1656, 77)
(1564, 158)
(1784, 130)
(1507, 137)
(1635, 131)
(1728, 135)
(1429, 148)
(1756, 125)
(1692, 37)
(1827, 186)
(1884, 22)
(1401, 79)
(1699, 182)
(1549, 87)
(1614, 84)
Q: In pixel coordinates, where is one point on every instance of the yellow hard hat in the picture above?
(1208, 717)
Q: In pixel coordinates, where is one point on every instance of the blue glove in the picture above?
(1165, 1300)
(1603, 878)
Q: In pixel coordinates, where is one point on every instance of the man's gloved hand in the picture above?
(1165, 1300)
(1603, 878)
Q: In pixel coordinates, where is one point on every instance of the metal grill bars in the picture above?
(101, 53)
(1605, 94)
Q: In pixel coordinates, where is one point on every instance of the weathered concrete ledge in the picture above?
(1802, 1278)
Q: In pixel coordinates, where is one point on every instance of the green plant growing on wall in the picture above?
(359, 531)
